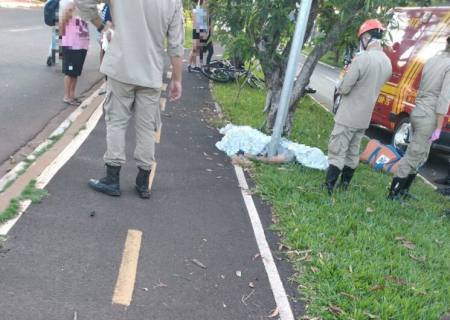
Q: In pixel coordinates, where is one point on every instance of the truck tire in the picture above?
(402, 134)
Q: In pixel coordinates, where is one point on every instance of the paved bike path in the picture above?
(64, 258)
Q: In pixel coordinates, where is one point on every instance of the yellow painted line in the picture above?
(152, 176)
(164, 87)
(123, 292)
(162, 104)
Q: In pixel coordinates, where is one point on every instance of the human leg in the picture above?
(117, 107)
(147, 122)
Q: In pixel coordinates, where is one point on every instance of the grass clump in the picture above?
(356, 254)
(31, 193)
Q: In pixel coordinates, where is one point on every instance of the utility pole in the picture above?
(286, 92)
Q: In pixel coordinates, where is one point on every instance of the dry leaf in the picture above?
(239, 273)
(439, 242)
(274, 313)
(409, 245)
(256, 256)
(369, 210)
(314, 269)
(401, 238)
(416, 258)
(198, 263)
(251, 284)
(348, 295)
(371, 316)
(335, 309)
(377, 287)
(350, 269)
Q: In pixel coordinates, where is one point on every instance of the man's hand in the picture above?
(436, 134)
(175, 90)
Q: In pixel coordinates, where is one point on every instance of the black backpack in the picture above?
(50, 9)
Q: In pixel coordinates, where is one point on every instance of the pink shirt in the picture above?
(76, 34)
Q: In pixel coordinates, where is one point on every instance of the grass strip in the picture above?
(29, 193)
(356, 255)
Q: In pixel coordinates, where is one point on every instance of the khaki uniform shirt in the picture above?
(361, 86)
(136, 53)
(434, 91)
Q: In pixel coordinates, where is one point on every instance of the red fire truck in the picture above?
(415, 35)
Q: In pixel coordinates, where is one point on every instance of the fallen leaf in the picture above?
(224, 305)
(371, 316)
(409, 245)
(369, 210)
(256, 256)
(439, 242)
(209, 170)
(239, 273)
(251, 284)
(144, 289)
(377, 287)
(314, 269)
(350, 269)
(198, 263)
(401, 238)
(222, 276)
(12, 160)
(348, 295)
(335, 309)
(395, 280)
(419, 291)
(274, 313)
(418, 258)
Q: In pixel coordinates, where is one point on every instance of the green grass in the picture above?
(188, 32)
(29, 193)
(344, 249)
(328, 58)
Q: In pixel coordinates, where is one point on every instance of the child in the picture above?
(75, 42)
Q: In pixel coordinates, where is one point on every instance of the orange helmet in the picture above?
(370, 24)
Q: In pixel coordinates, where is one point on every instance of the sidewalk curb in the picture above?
(72, 133)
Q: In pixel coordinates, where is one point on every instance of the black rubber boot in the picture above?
(110, 184)
(405, 192)
(445, 180)
(397, 186)
(142, 183)
(346, 177)
(333, 173)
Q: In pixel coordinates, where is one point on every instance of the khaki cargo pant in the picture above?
(419, 148)
(344, 145)
(122, 101)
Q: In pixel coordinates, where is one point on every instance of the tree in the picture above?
(263, 30)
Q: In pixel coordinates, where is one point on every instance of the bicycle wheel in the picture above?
(217, 74)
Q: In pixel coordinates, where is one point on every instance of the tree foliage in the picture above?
(263, 30)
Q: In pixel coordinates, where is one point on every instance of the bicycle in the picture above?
(224, 71)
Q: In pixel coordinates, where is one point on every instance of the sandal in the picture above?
(71, 102)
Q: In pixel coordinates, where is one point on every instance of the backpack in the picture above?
(381, 157)
(50, 9)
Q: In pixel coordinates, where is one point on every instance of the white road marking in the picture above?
(334, 80)
(278, 290)
(26, 29)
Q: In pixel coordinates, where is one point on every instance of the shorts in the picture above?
(73, 61)
(196, 35)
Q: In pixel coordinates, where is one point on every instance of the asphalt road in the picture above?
(324, 79)
(31, 93)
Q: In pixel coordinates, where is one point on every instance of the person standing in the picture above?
(134, 64)
(359, 89)
(427, 119)
(199, 34)
(75, 43)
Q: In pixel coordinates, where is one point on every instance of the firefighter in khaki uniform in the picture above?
(359, 89)
(427, 118)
